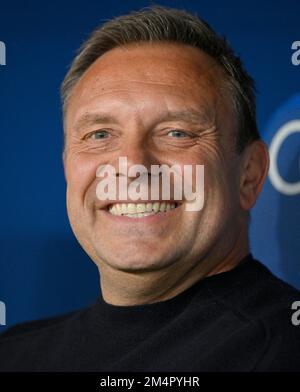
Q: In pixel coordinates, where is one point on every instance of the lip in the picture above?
(106, 204)
(155, 218)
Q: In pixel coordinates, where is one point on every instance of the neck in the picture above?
(123, 288)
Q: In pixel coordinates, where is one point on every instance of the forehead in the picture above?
(148, 70)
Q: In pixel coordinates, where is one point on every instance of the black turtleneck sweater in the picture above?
(233, 321)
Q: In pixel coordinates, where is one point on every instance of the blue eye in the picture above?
(99, 135)
(177, 134)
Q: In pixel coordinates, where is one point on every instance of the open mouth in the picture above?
(141, 210)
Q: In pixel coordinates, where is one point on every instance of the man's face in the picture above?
(153, 104)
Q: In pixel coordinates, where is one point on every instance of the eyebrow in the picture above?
(93, 119)
(201, 116)
(196, 117)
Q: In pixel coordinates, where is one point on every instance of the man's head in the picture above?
(160, 87)
(159, 24)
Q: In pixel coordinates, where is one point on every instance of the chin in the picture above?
(135, 261)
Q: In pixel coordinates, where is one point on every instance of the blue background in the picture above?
(43, 270)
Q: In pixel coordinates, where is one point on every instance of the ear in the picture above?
(254, 169)
(63, 156)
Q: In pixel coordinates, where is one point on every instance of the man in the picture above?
(180, 290)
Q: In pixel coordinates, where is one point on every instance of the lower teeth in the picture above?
(140, 215)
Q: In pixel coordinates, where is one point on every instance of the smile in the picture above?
(140, 210)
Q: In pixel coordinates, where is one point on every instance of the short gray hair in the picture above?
(158, 24)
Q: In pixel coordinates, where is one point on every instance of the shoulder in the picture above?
(271, 303)
(51, 328)
(254, 289)
(271, 293)
(46, 343)
(32, 327)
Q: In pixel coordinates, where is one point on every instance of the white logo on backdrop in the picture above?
(279, 183)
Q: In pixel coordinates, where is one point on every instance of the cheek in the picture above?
(211, 171)
(221, 190)
(80, 175)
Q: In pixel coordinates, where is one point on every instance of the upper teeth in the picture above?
(140, 209)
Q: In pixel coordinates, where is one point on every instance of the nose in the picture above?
(136, 152)
(133, 161)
